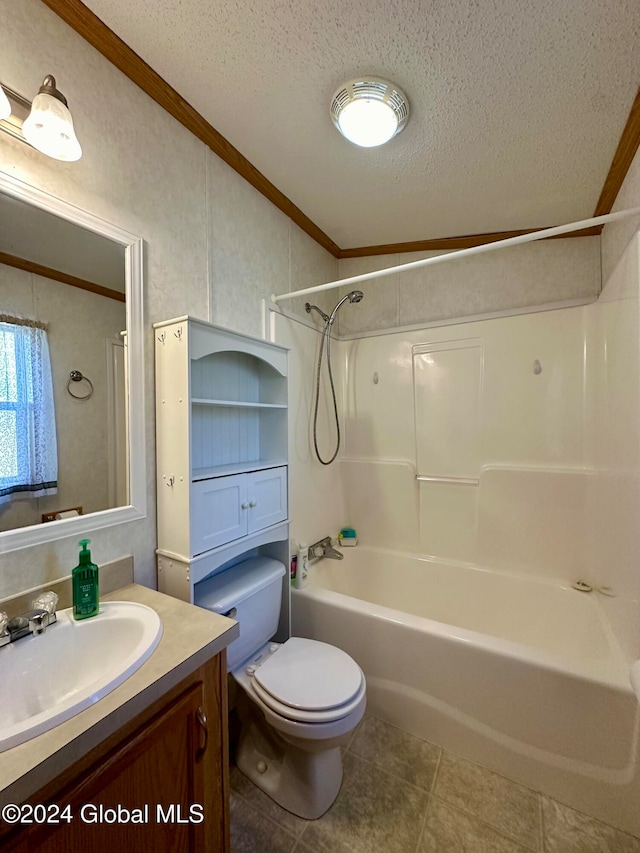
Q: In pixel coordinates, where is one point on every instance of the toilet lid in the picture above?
(310, 676)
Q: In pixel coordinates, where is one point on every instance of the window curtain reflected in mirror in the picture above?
(28, 445)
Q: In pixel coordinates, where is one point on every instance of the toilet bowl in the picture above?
(302, 701)
(298, 702)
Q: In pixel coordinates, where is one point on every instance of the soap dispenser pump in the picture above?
(85, 584)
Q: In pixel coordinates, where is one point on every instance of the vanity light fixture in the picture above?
(369, 111)
(46, 124)
(49, 126)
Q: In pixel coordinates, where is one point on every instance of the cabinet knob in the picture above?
(253, 503)
(244, 505)
(201, 720)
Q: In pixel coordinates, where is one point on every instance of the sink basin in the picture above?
(49, 678)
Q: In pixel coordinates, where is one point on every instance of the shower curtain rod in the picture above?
(464, 253)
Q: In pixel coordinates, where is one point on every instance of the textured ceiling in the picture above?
(517, 107)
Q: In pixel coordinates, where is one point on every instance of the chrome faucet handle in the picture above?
(48, 602)
(38, 621)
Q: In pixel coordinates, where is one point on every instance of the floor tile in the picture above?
(568, 831)
(508, 807)
(252, 831)
(448, 830)
(399, 752)
(263, 803)
(374, 811)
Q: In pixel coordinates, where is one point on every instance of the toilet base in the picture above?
(302, 782)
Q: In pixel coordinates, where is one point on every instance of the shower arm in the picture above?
(464, 253)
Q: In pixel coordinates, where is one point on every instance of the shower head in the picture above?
(353, 297)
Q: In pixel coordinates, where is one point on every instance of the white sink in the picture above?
(49, 678)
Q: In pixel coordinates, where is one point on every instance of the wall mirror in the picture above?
(81, 278)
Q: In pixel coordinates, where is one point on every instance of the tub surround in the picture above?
(191, 637)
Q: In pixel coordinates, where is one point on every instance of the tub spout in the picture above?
(324, 548)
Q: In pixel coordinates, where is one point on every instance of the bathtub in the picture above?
(523, 676)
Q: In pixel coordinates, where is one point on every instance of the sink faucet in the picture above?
(324, 548)
(31, 623)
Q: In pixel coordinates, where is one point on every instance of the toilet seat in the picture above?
(299, 716)
(309, 681)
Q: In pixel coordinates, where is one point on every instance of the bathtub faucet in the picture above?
(324, 548)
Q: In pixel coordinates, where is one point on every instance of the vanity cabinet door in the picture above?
(166, 784)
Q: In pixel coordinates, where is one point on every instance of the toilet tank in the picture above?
(254, 589)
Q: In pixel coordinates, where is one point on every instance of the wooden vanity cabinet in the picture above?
(166, 763)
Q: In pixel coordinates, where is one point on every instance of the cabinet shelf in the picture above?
(236, 404)
(235, 468)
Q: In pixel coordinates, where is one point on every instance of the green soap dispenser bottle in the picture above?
(84, 579)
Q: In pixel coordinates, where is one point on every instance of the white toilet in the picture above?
(300, 700)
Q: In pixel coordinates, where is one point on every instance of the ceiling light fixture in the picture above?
(45, 124)
(369, 111)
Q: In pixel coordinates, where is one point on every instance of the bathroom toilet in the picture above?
(298, 702)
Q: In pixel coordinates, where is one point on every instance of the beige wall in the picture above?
(213, 244)
(527, 276)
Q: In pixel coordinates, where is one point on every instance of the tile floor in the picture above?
(401, 794)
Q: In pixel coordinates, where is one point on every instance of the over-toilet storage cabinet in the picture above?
(221, 447)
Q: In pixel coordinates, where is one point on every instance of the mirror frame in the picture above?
(38, 534)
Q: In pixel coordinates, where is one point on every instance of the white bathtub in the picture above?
(523, 676)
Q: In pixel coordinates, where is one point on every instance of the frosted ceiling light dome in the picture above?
(49, 126)
(369, 111)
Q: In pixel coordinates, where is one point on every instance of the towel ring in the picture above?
(76, 376)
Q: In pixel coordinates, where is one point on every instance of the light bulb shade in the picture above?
(369, 111)
(49, 128)
(5, 106)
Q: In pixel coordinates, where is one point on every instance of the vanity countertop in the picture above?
(191, 636)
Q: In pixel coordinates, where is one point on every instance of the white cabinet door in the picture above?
(227, 508)
(267, 493)
(219, 512)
